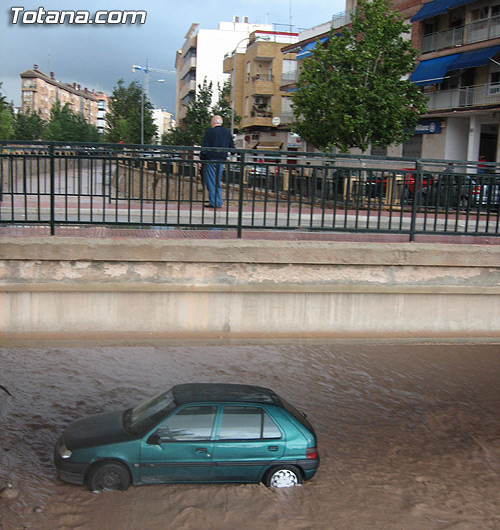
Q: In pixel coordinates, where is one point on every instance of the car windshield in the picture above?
(144, 417)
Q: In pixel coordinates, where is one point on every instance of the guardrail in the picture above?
(58, 184)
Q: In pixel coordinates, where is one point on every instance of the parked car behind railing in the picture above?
(486, 192)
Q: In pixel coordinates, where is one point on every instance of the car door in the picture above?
(180, 448)
(247, 442)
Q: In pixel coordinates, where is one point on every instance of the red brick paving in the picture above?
(249, 234)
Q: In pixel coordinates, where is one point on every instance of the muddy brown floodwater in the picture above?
(409, 436)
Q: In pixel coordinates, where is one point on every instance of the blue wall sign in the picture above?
(428, 127)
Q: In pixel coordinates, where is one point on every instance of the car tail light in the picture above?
(476, 190)
(311, 453)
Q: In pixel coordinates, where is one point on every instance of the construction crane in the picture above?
(145, 86)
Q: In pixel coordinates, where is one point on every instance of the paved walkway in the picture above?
(221, 233)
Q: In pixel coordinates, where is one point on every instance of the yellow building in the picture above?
(40, 92)
(256, 80)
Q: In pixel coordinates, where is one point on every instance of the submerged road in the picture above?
(408, 433)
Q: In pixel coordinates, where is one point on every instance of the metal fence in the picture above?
(158, 186)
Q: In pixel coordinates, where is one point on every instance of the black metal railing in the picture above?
(59, 184)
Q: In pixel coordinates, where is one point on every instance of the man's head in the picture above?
(216, 121)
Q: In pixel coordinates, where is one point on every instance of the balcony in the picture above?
(481, 30)
(186, 88)
(257, 121)
(263, 84)
(472, 96)
(189, 64)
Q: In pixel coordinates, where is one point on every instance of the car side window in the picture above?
(190, 423)
(247, 423)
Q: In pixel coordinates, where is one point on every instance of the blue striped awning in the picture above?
(474, 58)
(433, 71)
(307, 50)
(438, 7)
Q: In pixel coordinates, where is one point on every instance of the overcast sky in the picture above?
(96, 56)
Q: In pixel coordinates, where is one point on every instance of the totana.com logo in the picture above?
(51, 16)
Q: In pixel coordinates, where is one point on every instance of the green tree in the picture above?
(124, 115)
(67, 126)
(6, 118)
(353, 92)
(223, 105)
(197, 119)
(29, 126)
(199, 114)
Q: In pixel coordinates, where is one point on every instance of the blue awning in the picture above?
(437, 7)
(432, 71)
(474, 58)
(307, 50)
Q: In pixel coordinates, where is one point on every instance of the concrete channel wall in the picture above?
(245, 290)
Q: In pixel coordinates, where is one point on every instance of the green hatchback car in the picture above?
(200, 432)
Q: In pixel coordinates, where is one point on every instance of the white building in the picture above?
(164, 122)
(202, 57)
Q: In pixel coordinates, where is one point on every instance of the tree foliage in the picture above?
(199, 114)
(68, 126)
(29, 126)
(222, 106)
(354, 91)
(6, 118)
(124, 115)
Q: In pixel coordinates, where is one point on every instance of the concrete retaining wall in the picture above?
(240, 289)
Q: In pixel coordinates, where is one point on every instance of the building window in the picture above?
(494, 85)
(479, 14)
(248, 71)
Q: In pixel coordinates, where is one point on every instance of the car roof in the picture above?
(223, 392)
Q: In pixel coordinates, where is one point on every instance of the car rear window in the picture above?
(299, 416)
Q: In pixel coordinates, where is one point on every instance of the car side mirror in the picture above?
(154, 439)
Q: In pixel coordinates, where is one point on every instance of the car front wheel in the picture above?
(109, 476)
(283, 477)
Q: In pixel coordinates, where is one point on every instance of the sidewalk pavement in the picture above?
(249, 234)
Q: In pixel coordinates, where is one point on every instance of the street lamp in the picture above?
(233, 80)
(145, 87)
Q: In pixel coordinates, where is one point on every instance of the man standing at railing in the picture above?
(213, 161)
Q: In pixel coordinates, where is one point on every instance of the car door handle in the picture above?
(202, 450)
(273, 448)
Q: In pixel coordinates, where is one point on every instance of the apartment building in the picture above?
(164, 122)
(40, 91)
(256, 76)
(202, 56)
(459, 70)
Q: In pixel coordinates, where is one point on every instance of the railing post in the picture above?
(416, 198)
(240, 197)
(52, 190)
